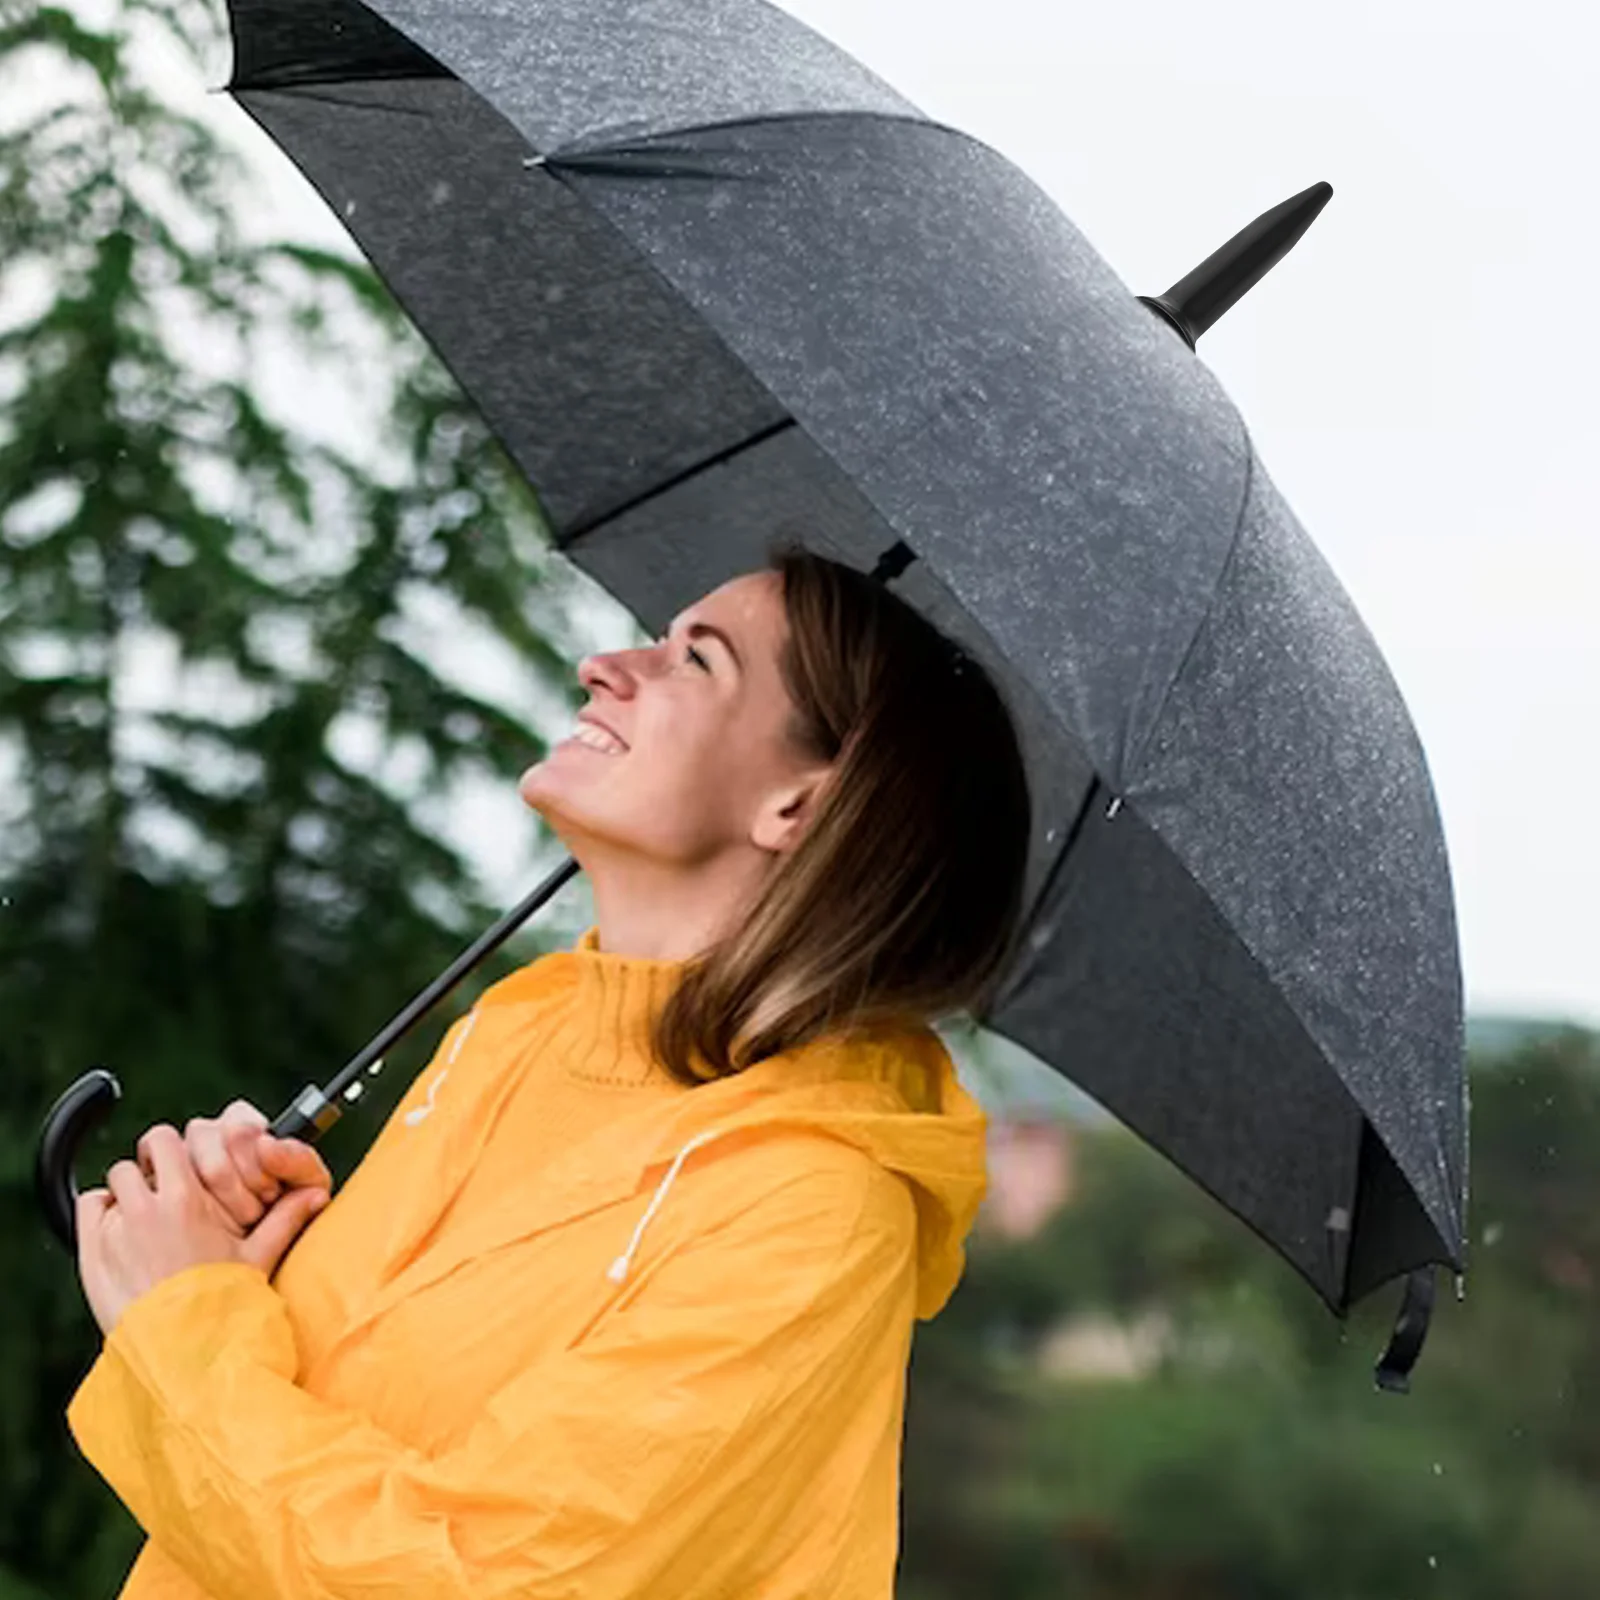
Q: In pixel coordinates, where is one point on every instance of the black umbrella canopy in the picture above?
(707, 278)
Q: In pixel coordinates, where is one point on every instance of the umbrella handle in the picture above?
(88, 1102)
(81, 1109)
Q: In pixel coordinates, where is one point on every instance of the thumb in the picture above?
(293, 1161)
(267, 1242)
(90, 1206)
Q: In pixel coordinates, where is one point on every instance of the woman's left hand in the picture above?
(158, 1218)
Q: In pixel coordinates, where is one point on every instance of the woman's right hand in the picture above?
(244, 1167)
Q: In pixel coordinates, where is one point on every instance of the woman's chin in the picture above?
(539, 787)
(550, 788)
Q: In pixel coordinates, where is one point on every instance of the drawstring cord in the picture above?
(619, 1268)
(419, 1113)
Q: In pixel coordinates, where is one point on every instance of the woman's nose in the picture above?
(616, 669)
(598, 669)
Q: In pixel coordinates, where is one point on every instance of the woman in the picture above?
(620, 1301)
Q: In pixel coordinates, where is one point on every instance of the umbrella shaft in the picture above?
(313, 1111)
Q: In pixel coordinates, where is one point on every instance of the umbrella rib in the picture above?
(1097, 787)
(623, 140)
(622, 137)
(317, 90)
(565, 541)
(1130, 767)
(412, 64)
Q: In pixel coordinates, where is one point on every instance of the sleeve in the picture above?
(595, 1472)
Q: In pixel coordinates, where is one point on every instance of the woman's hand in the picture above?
(246, 1168)
(138, 1232)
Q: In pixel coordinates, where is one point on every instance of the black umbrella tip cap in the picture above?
(1198, 300)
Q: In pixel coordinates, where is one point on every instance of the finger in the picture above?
(242, 1112)
(242, 1143)
(270, 1239)
(162, 1150)
(88, 1208)
(127, 1185)
(294, 1161)
(242, 1126)
(144, 1154)
(219, 1171)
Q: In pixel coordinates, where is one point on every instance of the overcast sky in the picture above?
(1416, 373)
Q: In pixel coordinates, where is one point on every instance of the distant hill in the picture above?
(1499, 1035)
(1008, 1081)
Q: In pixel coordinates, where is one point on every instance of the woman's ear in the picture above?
(787, 812)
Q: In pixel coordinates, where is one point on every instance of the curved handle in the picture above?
(312, 1112)
(84, 1106)
(87, 1104)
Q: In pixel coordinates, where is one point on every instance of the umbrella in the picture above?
(705, 276)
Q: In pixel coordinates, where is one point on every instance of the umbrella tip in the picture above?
(1196, 301)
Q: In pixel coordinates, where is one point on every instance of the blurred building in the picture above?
(1036, 1120)
(1098, 1347)
(1031, 1172)
(1034, 1114)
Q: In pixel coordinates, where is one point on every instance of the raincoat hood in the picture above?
(891, 1092)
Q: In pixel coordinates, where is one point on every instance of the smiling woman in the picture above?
(793, 786)
(533, 1348)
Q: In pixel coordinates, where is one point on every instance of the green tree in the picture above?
(226, 752)
(1254, 1460)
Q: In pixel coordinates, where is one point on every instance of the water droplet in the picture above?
(1433, 1561)
(1438, 1470)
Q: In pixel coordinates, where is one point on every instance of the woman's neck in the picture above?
(659, 921)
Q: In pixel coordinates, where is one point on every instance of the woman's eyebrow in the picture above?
(697, 629)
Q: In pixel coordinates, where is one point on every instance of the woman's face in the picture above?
(707, 777)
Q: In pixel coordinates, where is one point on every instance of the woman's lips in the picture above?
(587, 719)
(580, 744)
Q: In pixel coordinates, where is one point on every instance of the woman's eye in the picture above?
(692, 655)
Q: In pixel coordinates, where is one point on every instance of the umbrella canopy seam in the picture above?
(619, 139)
(1131, 767)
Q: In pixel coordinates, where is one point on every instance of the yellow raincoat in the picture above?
(570, 1329)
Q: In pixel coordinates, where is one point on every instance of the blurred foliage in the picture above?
(1253, 1458)
(224, 753)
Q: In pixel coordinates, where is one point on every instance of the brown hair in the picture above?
(903, 898)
